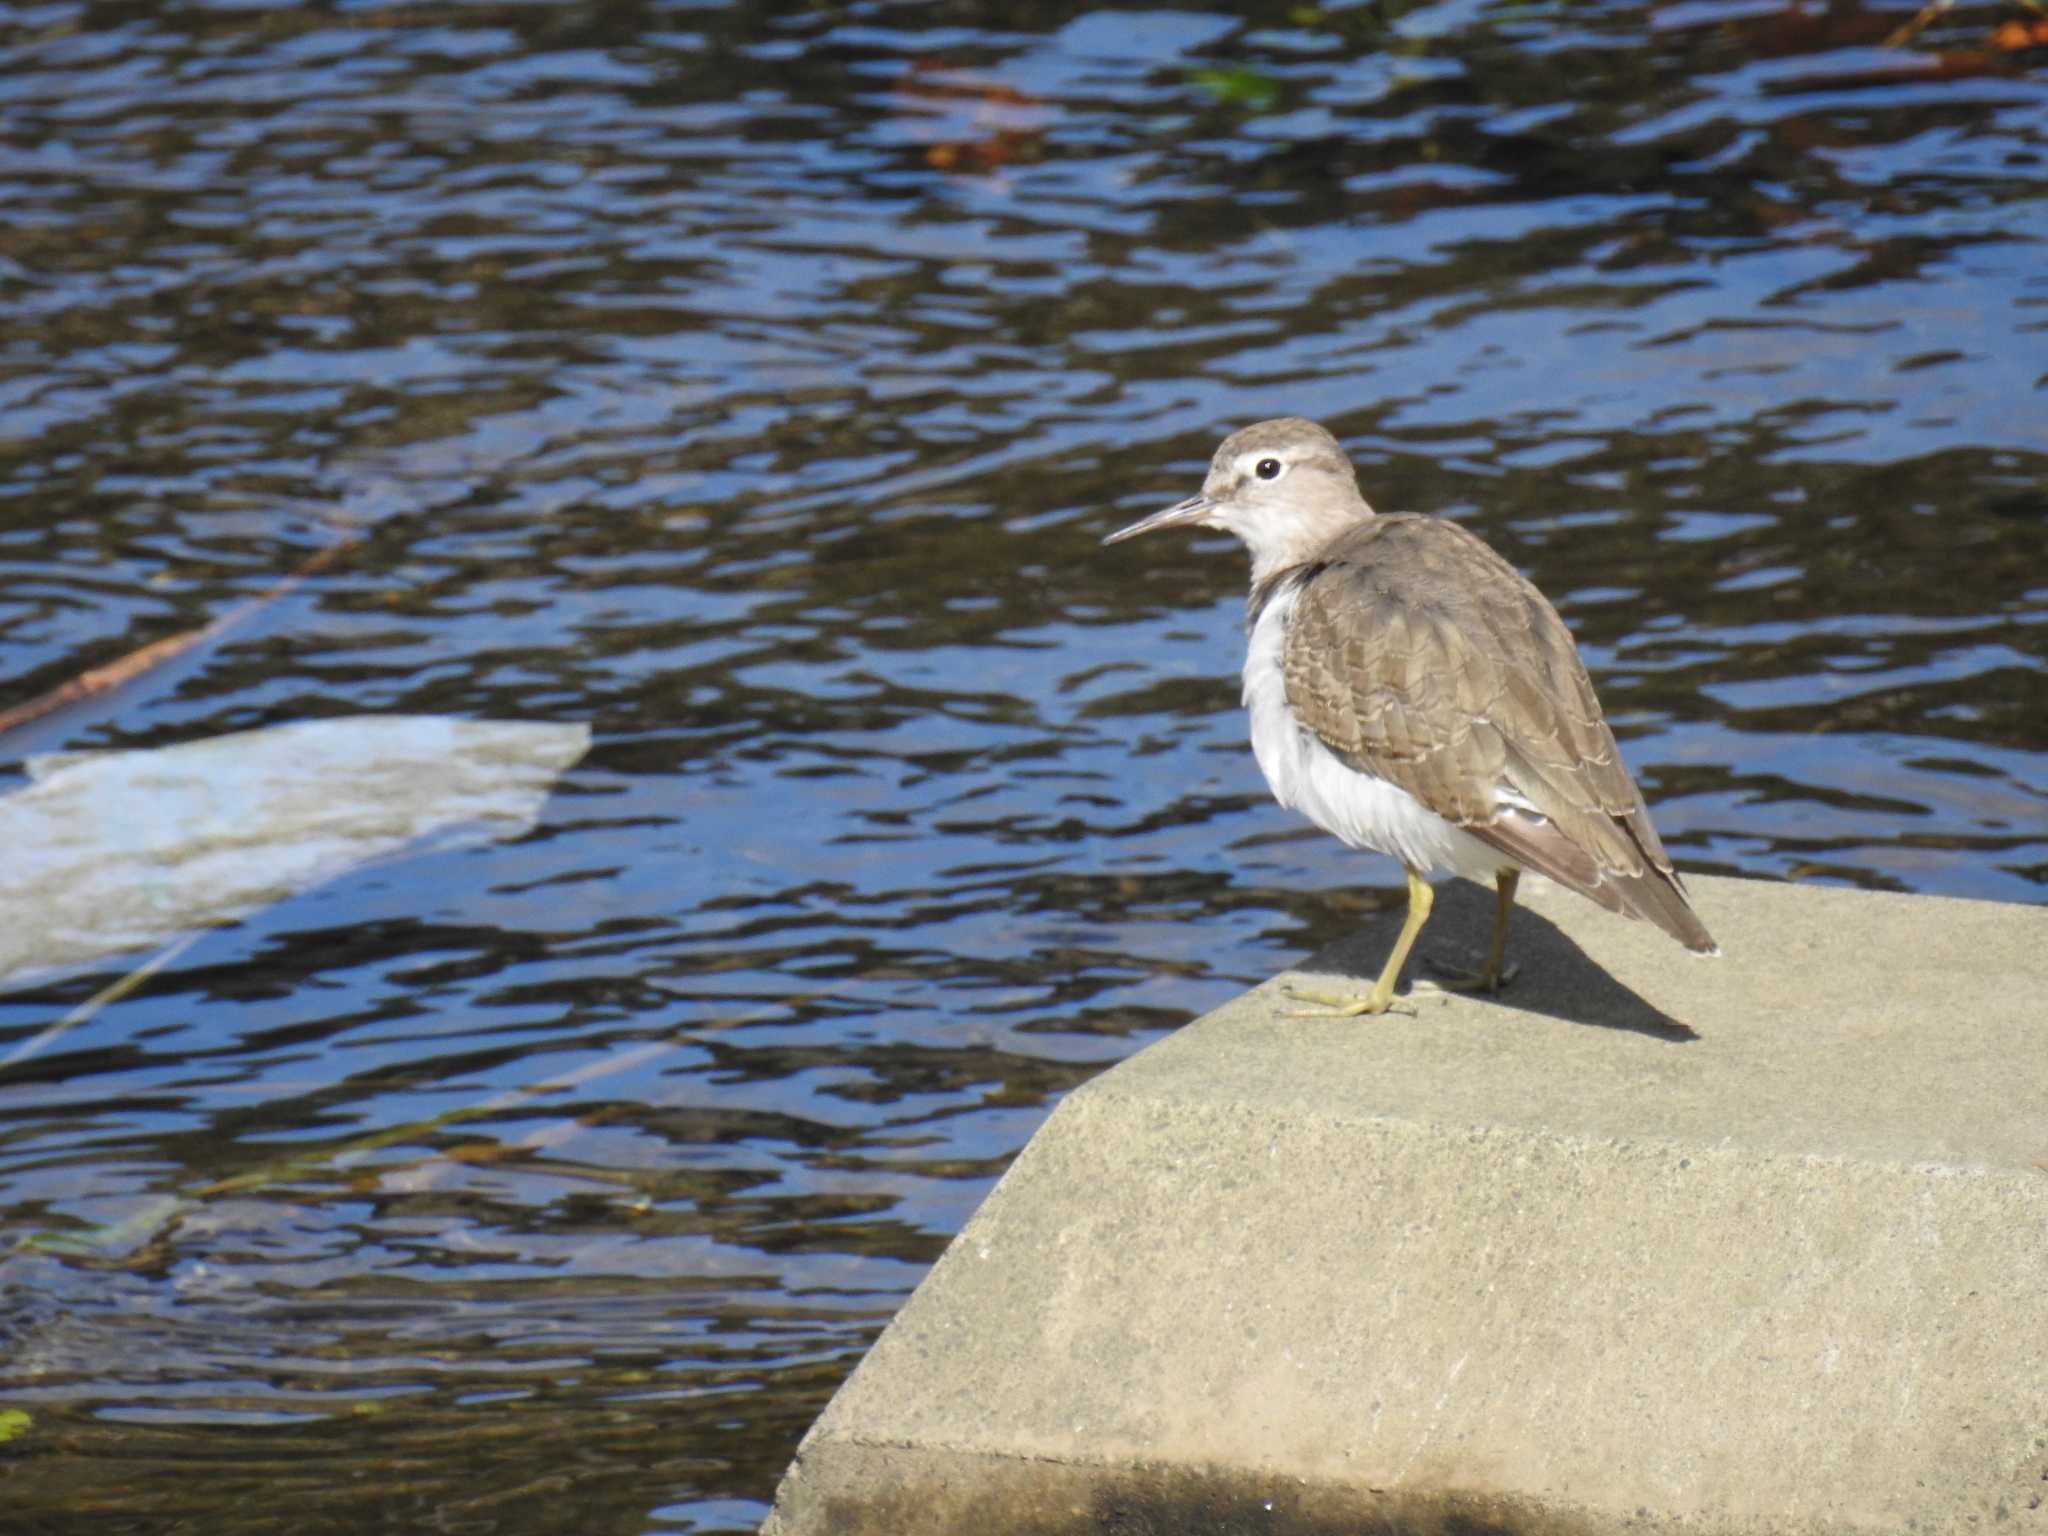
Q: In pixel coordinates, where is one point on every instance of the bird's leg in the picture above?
(1495, 976)
(1381, 998)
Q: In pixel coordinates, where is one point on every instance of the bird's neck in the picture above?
(1277, 550)
(1280, 566)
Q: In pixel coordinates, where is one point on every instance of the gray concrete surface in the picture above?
(1649, 1242)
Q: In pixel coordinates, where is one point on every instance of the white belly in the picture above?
(1307, 776)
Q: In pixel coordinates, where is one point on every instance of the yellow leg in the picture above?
(1420, 898)
(1495, 976)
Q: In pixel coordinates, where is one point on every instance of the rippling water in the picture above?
(754, 384)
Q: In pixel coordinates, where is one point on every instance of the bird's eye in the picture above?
(1268, 469)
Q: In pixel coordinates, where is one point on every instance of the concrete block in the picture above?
(1647, 1242)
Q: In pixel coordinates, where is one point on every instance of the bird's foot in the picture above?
(1455, 978)
(1334, 1005)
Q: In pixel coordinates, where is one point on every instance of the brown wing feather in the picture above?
(1417, 654)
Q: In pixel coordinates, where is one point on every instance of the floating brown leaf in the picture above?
(977, 126)
(2016, 35)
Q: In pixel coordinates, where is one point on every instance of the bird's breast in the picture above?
(1304, 775)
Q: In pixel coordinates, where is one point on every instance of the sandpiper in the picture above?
(1411, 693)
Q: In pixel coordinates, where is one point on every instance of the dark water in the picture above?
(754, 384)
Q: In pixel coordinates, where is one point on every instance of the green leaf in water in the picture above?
(13, 1424)
(1240, 87)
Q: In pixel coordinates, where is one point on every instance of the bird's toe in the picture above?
(1336, 1005)
(1457, 978)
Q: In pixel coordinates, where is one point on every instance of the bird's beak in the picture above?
(1180, 515)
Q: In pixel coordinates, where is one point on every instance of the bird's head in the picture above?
(1283, 486)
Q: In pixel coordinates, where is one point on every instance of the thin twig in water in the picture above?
(113, 992)
(105, 679)
(1920, 22)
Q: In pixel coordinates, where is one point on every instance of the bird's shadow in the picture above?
(1552, 975)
